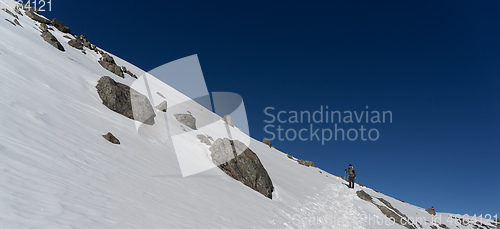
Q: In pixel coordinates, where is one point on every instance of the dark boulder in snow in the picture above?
(76, 43)
(242, 164)
(111, 138)
(60, 26)
(228, 120)
(125, 100)
(107, 62)
(162, 106)
(49, 38)
(33, 15)
(186, 119)
(86, 43)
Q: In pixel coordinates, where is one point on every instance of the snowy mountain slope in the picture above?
(57, 171)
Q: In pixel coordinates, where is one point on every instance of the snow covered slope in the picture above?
(57, 171)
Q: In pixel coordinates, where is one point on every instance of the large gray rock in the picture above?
(60, 26)
(242, 164)
(107, 62)
(186, 119)
(49, 38)
(228, 120)
(124, 100)
(33, 15)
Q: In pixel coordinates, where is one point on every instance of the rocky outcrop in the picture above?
(76, 43)
(125, 100)
(307, 163)
(60, 26)
(98, 51)
(186, 119)
(80, 41)
(111, 138)
(388, 210)
(301, 162)
(393, 213)
(43, 27)
(107, 62)
(242, 164)
(430, 211)
(364, 196)
(393, 216)
(49, 38)
(125, 70)
(162, 106)
(228, 120)
(204, 139)
(33, 15)
(85, 42)
(267, 142)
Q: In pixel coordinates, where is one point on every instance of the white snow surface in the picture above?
(57, 171)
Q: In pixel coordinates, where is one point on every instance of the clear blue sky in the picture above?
(434, 64)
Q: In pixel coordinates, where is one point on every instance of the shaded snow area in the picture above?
(57, 170)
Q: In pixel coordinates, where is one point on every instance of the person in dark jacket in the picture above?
(351, 172)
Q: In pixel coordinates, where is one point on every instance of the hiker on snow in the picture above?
(351, 175)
